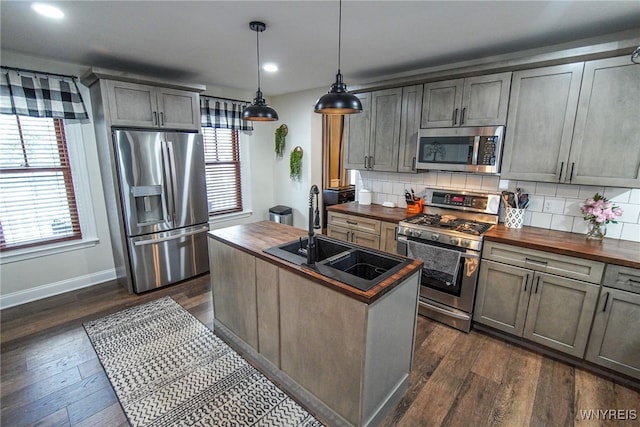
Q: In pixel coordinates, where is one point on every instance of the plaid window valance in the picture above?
(223, 113)
(36, 94)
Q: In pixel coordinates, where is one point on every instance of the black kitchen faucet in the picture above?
(314, 224)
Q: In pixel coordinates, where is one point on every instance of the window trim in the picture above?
(74, 133)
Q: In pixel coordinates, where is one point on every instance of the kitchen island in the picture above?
(344, 353)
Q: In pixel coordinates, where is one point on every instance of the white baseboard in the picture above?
(51, 289)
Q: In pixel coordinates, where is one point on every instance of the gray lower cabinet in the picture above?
(615, 338)
(355, 229)
(529, 302)
(474, 101)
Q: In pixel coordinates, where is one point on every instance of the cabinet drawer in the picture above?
(353, 222)
(561, 265)
(624, 278)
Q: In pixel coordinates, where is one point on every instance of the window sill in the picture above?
(38, 252)
(229, 217)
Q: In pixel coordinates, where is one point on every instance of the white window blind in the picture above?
(37, 201)
(222, 165)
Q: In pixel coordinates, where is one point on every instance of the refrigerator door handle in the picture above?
(168, 182)
(172, 237)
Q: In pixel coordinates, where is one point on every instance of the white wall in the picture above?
(553, 206)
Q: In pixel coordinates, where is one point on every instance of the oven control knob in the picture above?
(466, 243)
(435, 236)
(454, 241)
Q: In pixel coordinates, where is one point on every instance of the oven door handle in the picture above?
(463, 254)
(444, 311)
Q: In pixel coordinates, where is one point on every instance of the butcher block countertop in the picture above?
(613, 251)
(254, 238)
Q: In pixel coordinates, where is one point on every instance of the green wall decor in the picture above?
(295, 163)
(281, 133)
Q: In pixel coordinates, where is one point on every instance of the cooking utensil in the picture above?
(517, 197)
(524, 201)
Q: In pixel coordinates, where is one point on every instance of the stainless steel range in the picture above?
(448, 239)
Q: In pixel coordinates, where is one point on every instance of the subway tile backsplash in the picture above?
(552, 206)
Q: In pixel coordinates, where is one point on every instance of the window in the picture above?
(37, 200)
(222, 166)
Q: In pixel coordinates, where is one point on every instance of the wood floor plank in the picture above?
(555, 396)
(57, 419)
(493, 360)
(592, 393)
(110, 416)
(513, 405)
(473, 403)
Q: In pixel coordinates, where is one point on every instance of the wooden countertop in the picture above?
(254, 238)
(613, 251)
(371, 211)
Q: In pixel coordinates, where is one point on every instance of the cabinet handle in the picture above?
(366, 162)
(371, 162)
(413, 164)
(455, 116)
(395, 233)
(464, 110)
(537, 283)
(526, 282)
(606, 300)
(155, 118)
(571, 176)
(161, 118)
(561, 167)
(352, 222)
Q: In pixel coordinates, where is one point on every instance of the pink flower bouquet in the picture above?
(599, 210)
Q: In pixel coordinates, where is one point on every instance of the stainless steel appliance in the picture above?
(448, 239)
(163, 207)
(463, 149)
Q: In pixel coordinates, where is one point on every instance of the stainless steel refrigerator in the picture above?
(163, 207)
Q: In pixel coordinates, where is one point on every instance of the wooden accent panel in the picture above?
(370, 211)
(267, 290)
(326, 363)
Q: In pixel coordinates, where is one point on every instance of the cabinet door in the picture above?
(367, 240)
(441, 104)
(388, 239)
(503, 296)
(234, 290)
(178, 109)
(560, 313)
(357, 131)
(605, 149)
(384, 139)
(615, 337)
(132, 104)
(409, 126)
(485, 100)
(339, 233)
(542, 112)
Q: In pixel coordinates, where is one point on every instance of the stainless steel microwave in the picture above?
(463, 149)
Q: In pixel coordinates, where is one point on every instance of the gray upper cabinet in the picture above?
(409, 126)
(605, 148)
(474, 101)
(373, 136)
(139, 105)
(542, 112)
(573, 126)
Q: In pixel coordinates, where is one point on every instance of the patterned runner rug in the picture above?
(167, 369)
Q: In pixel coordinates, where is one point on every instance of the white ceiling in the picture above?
(210, 42)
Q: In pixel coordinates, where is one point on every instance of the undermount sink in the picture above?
(353, 265)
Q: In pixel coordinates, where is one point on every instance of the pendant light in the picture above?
(259, 111)
(338, 100)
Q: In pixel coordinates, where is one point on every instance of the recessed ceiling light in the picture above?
(270, 67)
(47, 10)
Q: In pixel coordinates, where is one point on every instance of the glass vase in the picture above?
(596, 231)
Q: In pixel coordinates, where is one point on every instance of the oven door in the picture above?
(437, 282)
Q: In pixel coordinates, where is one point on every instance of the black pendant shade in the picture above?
(259, 111)
(338, 100)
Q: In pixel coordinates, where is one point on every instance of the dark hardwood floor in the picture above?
(50, 375)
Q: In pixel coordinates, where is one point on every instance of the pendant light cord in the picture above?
(339, 33)
(258, 55)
